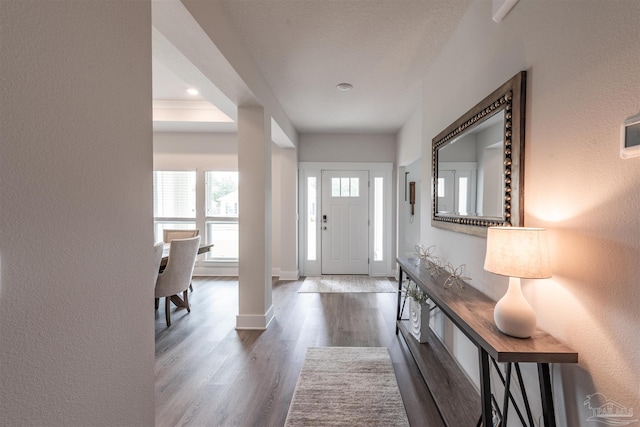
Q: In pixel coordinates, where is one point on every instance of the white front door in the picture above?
(344, 222)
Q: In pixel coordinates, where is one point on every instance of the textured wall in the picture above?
(187, 150)
(76, 235)
(347, 148)
(583, 78)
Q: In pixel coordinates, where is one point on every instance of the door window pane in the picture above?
(344, 187)
(355, 187)
(335, 187)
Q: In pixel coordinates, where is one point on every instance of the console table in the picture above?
(472, 312)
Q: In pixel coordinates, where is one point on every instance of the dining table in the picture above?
(204, 247)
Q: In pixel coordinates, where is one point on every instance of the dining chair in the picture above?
(169, 235)
(176, 277)
(157, 259)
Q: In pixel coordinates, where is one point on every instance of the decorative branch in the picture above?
(414, 292)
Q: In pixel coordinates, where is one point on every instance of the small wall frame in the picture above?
(630, 137)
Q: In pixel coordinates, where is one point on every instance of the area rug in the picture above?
(346, 284)
(347, 386)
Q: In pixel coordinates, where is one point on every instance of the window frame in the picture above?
(216, 219)
(180, 221)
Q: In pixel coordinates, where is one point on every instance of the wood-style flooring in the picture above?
(210, 374)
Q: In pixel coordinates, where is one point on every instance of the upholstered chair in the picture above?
(176, 277)
(169, 235)
(157, 259)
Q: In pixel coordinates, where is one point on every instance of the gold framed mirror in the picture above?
(478, 164)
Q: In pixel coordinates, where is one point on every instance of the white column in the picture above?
(276, 204)
(255, 309)
(289, 214)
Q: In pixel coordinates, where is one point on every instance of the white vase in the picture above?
(418, 320)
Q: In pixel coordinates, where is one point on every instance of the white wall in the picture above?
(347, 148)
(188, 151)
(582, 62)
(410, 235)
(76, 235)
(410, 138)
(288, 215)
(408, 152)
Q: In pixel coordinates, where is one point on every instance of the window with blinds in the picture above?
(174, 200)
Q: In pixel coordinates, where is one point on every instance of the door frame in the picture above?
(382, 170)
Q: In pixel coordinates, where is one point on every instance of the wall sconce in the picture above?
(412, 196)
(516, 252)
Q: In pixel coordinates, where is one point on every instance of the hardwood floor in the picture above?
(209, 374)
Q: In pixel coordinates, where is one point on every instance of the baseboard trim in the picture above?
(254, 321)
(289, 275)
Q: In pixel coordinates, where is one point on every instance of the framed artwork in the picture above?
(630, 137)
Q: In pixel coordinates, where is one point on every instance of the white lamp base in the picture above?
(513, 314)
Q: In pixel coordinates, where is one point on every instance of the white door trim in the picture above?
(376, 170)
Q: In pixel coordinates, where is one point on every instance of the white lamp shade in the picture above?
(518, 252)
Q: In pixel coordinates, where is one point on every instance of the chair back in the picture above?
(176, 277)
(169, 235)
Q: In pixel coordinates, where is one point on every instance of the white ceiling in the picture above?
(304, 48)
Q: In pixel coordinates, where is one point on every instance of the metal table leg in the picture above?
(546, 393)
(485, 387)
(398, 314)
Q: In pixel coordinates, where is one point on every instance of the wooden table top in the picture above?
(472, 312)
(204, 247)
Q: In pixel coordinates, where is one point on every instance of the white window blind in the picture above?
(174, 194)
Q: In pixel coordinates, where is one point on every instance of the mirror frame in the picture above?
(509, 97)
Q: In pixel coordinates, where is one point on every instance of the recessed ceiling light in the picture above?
(344, 87)
(192, 91)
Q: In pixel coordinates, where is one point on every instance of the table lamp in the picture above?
(516, 252)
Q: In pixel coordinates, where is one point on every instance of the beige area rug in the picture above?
(347, 386)
(346, 284)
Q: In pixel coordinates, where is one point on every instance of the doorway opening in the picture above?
(345, 218)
